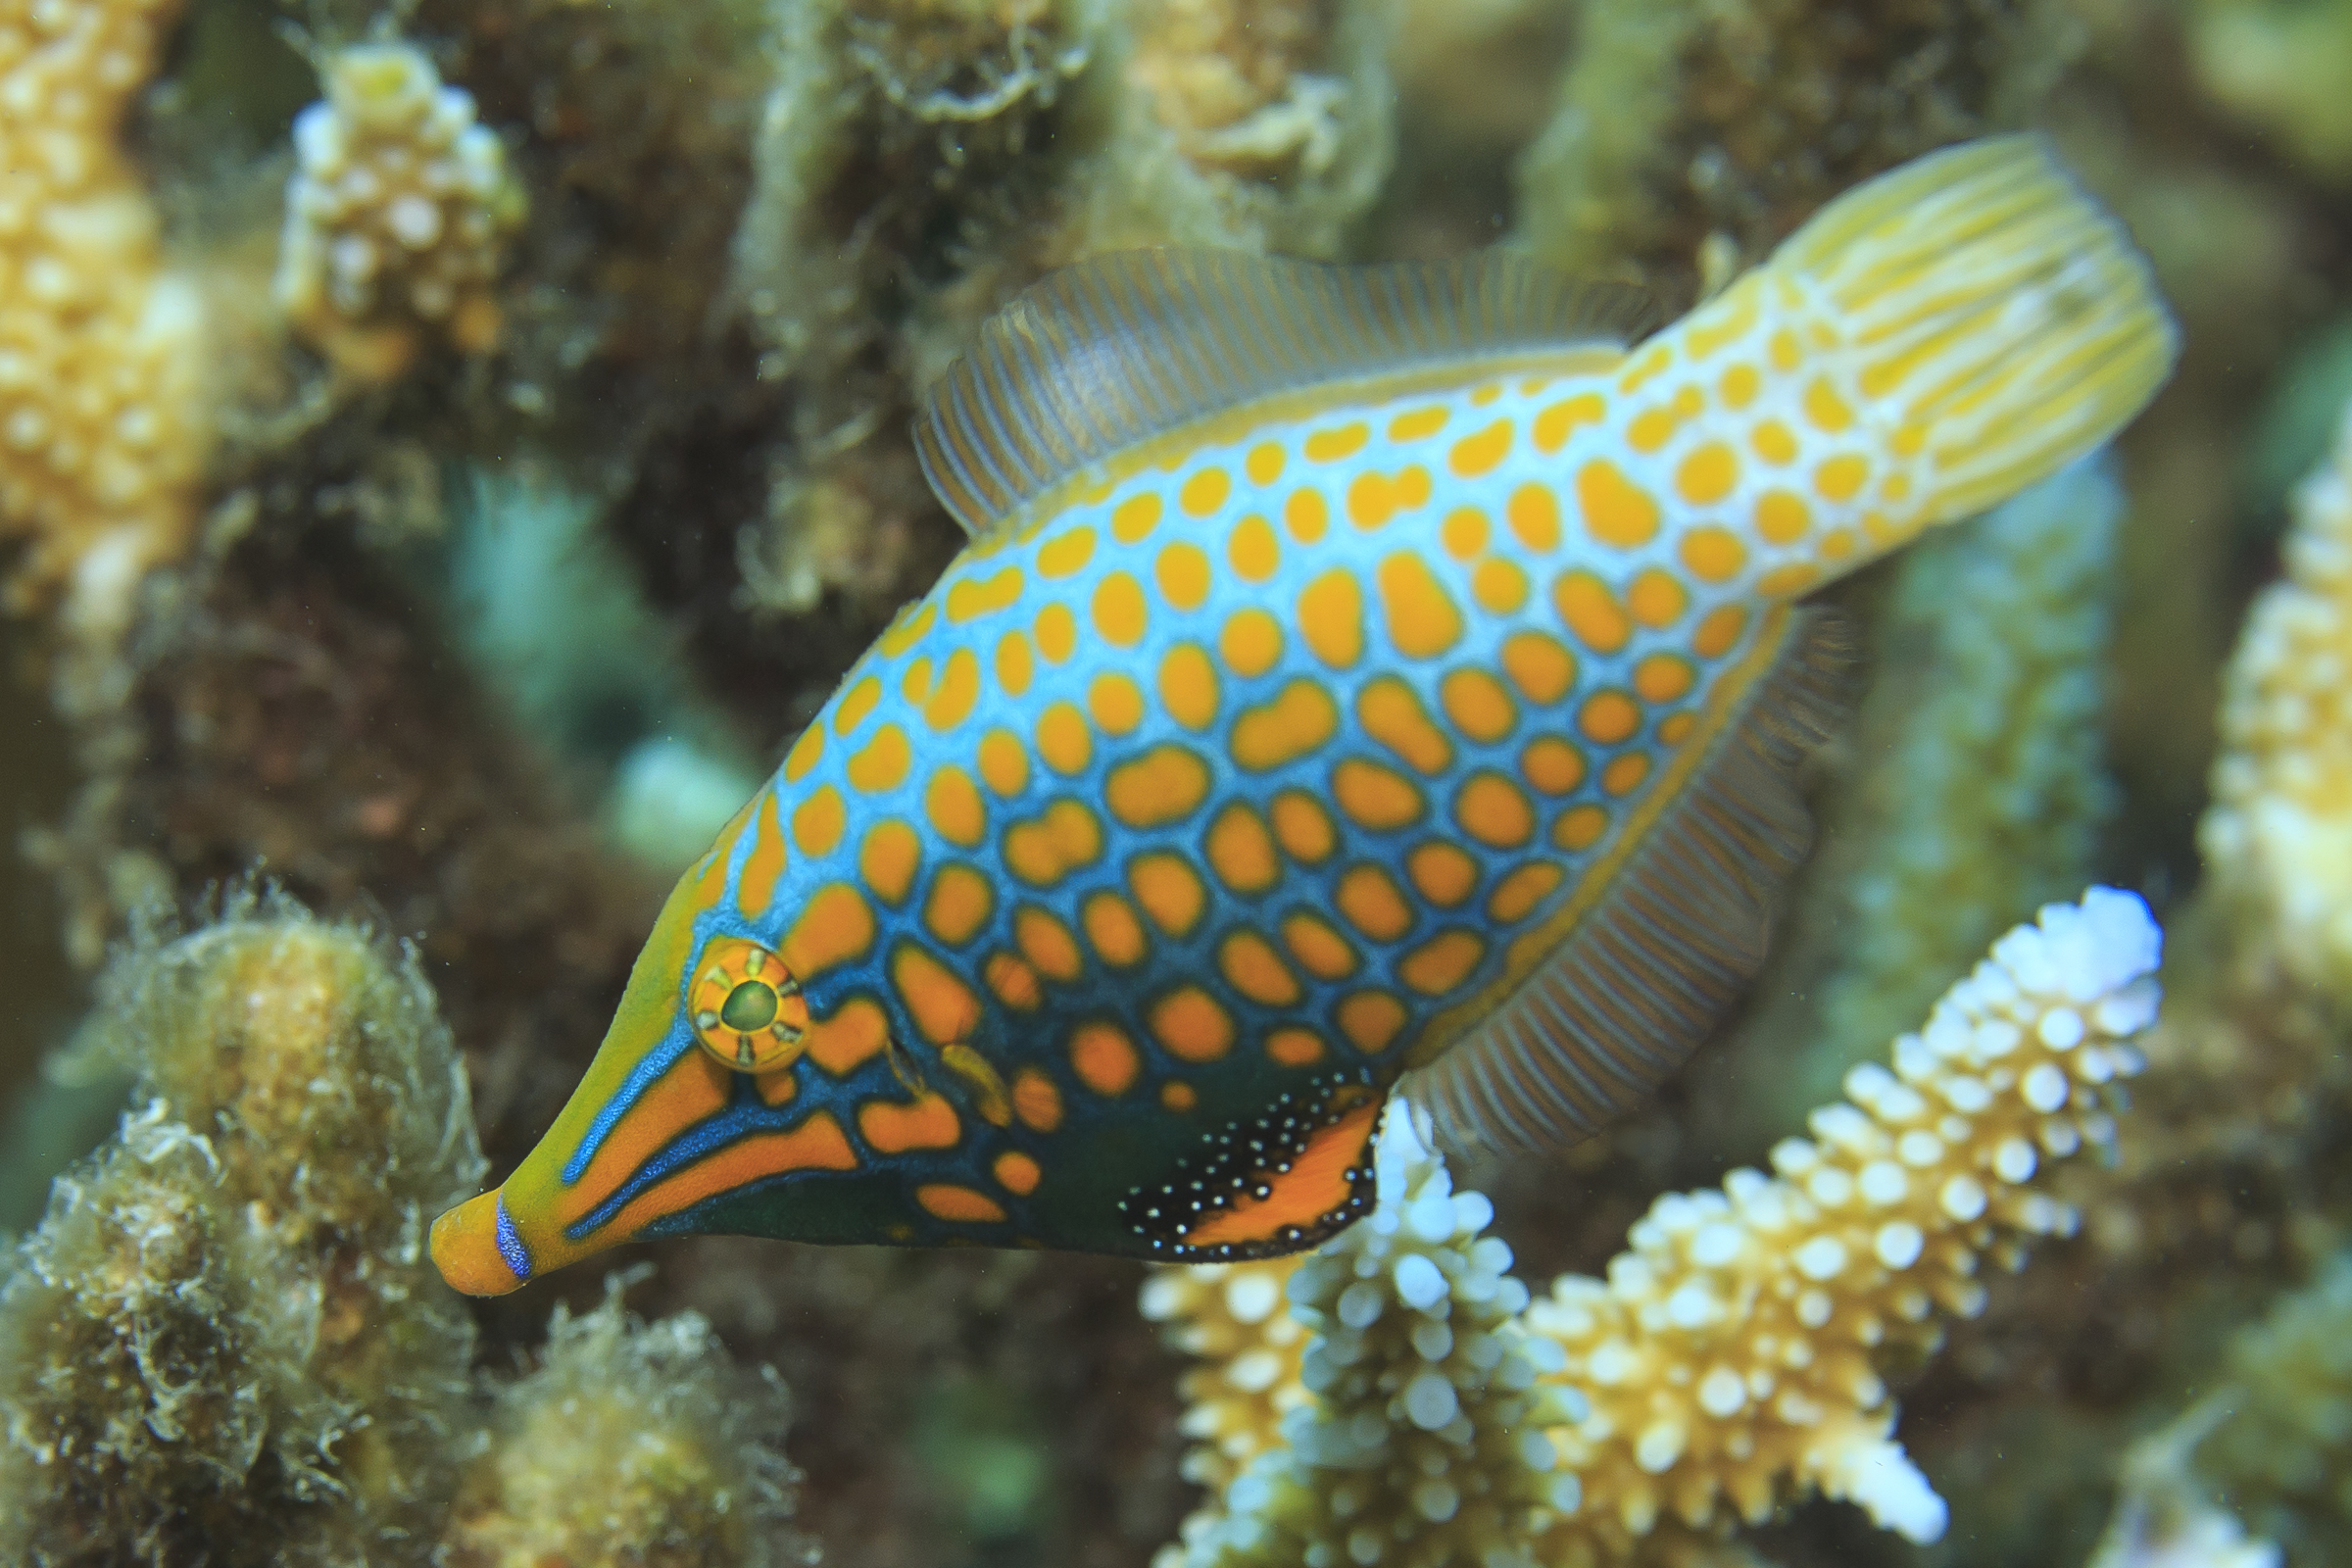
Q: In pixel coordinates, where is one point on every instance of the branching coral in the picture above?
(2279, 838)
(1234, 1320)
(102, 439)
(632, 1443)
(1414, 1437)
(1737, 1349)
(226, 1329)
(397, 215)
(1737, 1346)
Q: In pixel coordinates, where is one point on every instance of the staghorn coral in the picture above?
(1419, 1441)
(1234, 1321)
(2279, 836)
(633, 1444)
(1737, 1349)
(397, 215)
(226, 1330)
(102, 436)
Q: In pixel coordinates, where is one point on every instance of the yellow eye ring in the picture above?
(748, 1009)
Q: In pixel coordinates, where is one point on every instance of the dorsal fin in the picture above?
(1122, 347)
(1677, 934)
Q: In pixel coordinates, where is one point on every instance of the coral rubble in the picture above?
(397, 215)
(1738, 1349)
(102, 436)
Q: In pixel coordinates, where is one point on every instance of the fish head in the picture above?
(678, 1108)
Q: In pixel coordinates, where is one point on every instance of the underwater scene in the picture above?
(1194, 783)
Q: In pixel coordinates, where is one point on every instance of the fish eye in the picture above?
(749, 1013)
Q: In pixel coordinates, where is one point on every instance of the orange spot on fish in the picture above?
(1370, 1019)
(1036, 1100)
(1422, 619)
(1374, 797)
(1166, 784)
(1301, 718)
(1250, 966)
(1441, 873)
(1104, 1058)
(1168, 890)
(1190, 1024)
(1318, 947)
(1331, 617)
(1552, 765)
(959, 904)
(959, 1204)
(1302, 828)
(951, 803)
(1442, 963)
(1241, 851)
(1111, 928)
(1541, 669)
(1188, 686)
(929, 1122)
(755, 890)
(1370, 900)
(1250, 642)
(817, 822)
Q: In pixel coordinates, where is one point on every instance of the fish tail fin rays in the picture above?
(2003, 322)
(1639, 971)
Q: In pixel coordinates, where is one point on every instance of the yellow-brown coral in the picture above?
(1233, 1320)
(1734, 1348)
(1733, 1352)
(2278, 839)
(397, 216)
(100, 439)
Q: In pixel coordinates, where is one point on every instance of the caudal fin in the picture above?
(1986, 300)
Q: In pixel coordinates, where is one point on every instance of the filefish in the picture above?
(1354, 674)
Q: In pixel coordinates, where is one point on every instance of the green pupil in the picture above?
(750, 1007)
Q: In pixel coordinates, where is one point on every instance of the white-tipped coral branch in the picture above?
(2279, 836)
(1415, 1434)
(1731, 1356)
(397, 217)
(1732, 1351)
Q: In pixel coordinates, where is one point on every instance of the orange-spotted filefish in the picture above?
(1354, 672)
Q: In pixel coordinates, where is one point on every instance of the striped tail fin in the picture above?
(1991, 313)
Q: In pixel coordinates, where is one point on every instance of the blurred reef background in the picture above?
(447, 451)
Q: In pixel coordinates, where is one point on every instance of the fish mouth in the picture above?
(478, 1248)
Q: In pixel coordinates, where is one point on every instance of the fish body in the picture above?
(1352, 673)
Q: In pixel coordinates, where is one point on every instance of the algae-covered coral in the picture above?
(753, 234)
(224, 1343)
